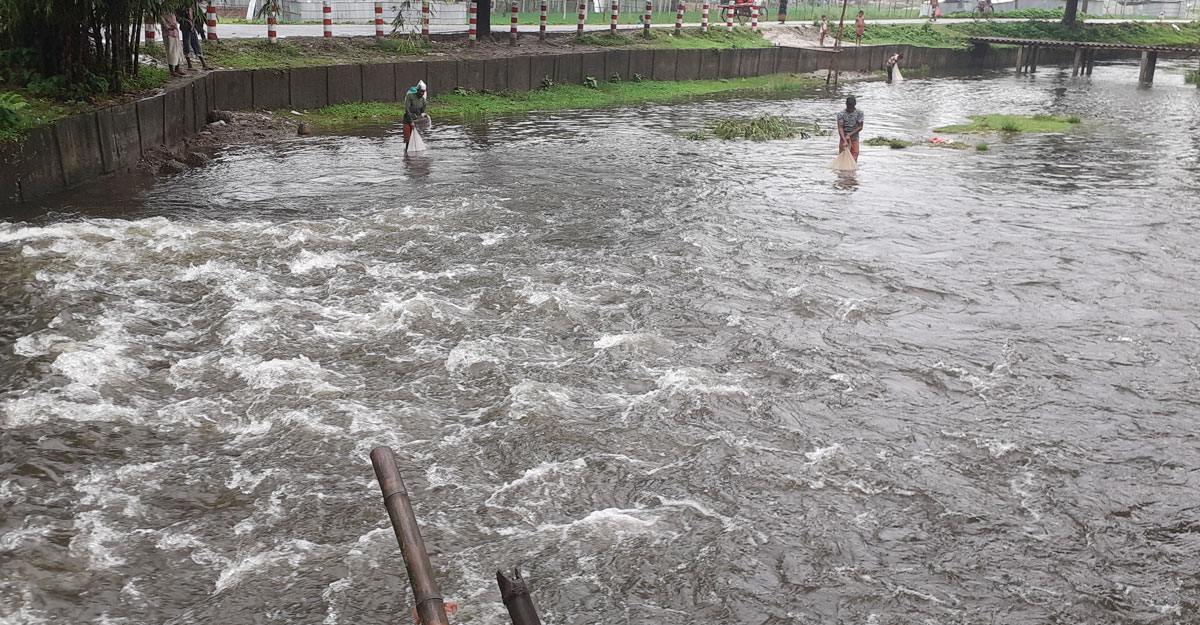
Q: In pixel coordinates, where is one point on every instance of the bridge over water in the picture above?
(1085, 53)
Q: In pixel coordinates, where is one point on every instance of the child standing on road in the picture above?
(860, 24)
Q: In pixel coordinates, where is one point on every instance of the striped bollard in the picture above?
(754, 17)
(472, 34)
(425, 18)
(646, 19)
(612, 26)
(704, 19)
(729, 18)
(149, 31)
(512, 30)
(582, 18)
(272, 36)
(679, 19)
(379, 20)
(542, 23)
(212, 22)
(327, 18)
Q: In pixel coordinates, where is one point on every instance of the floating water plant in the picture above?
(895, 144)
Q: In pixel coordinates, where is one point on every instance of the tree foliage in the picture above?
(80, 42)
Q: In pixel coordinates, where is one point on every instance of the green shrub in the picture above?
(982, 147)
(547, 82)
(1010, 127)
(590, 82)
(615, 78)
(1074, 119)
(1192, 77)
(11, 105)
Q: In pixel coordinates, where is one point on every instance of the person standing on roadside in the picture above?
(191, 26)
(172, 43)
(849, 124)
(824, 29)
(860, 25)
(783, 4)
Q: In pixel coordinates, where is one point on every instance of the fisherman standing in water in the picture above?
(414, 109)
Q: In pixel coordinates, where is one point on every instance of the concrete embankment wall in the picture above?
(82, 147)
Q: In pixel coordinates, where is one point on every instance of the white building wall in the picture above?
(352, 11)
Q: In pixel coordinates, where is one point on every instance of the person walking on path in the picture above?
(783, 11)
(849, 124)
(892, 63)
(860, 25)
(824, 29)
(191, 26)
(414, 109)
(171, 40)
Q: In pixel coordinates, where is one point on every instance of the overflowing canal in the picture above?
(677, 382)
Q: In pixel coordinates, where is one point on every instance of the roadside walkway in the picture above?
(259, 31)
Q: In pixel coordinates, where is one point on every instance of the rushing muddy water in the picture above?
(677, 382)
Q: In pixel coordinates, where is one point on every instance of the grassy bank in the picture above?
(312, 51)
(689, 39)
(469, 106)
(954, 35)
(1013, 123)
(26, 108)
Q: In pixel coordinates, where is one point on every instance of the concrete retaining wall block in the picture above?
(379, 82)
(271, 88)
(309, 87)
(234, 90)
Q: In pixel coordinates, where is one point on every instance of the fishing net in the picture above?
(416, 143)
(896, 77)
(844, 162)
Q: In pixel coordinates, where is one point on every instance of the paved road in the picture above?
(253, 31)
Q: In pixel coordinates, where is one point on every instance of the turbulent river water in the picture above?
(677, 382)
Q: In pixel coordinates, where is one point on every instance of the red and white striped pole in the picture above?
(512, 30)
(679, 19)
(542, 23)
(754, 16)
(646, 19)
(212, 22)
(582, 18)
(729, 17)
(704, 19)
(272, 36)
(327, 18)
(149, 31)
(612, 26)
(425, 18)
(472, 34)
(379, 20)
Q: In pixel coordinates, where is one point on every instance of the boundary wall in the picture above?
(83, 147)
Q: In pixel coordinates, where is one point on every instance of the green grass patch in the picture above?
(310, 51)
(925, 35)
(762, 128)
(688, 39)
(1192, 77)
(1011, 123)
(469, 106)
(982, 147)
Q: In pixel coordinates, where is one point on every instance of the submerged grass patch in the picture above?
(764, 128)
(895, 144)
(1013, 123)
(468, 106)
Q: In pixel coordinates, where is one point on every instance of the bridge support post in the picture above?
(1149, 60)
(1091, 61)
(1034, 59)
(1078, 61)
(1020, 60)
